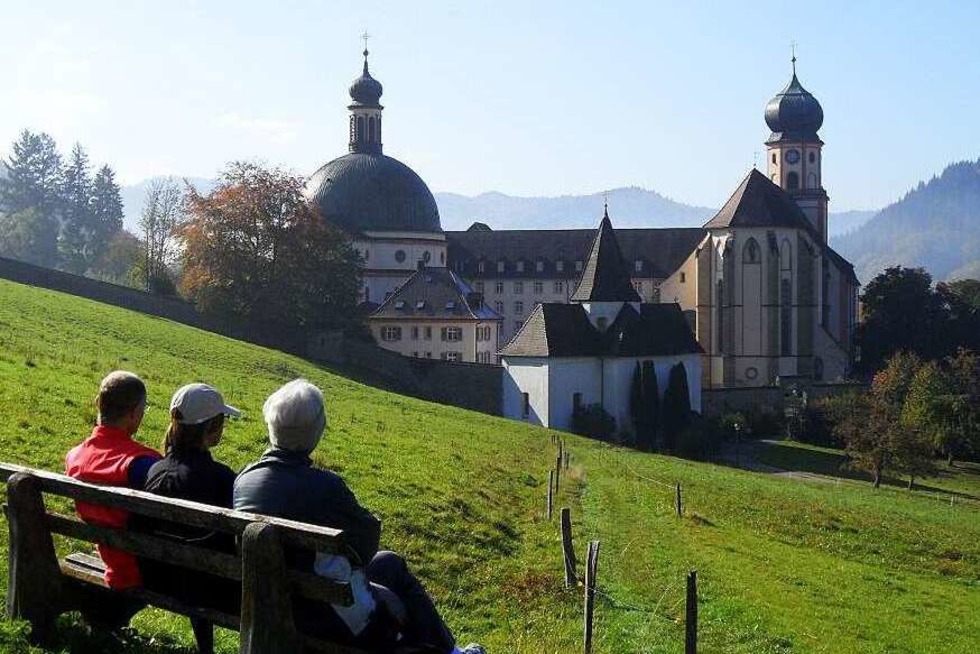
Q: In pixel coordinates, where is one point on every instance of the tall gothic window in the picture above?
(785, 318)
(371, 129)
(721, 316)
(751, 252)
(793, 181)
(360, 128)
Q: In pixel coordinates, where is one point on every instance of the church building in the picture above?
(762, 291)
(567, 356)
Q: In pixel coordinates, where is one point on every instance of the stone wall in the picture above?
(768, 399)
(468, 385)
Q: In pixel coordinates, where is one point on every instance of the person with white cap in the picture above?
(188, 471)
(390, 604)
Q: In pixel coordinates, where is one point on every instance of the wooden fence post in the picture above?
(267, 625)
(557, 471)
(680, 507)
(567, 550)
(691, 623)
(591, 568)
(551, 486)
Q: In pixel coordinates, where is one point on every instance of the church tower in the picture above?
(365, 113)
(794, 150)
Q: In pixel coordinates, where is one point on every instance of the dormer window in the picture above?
(450, 305)
(420, 305)
(400, 304)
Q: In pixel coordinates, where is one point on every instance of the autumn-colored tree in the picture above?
(871, 424)
(254, 248)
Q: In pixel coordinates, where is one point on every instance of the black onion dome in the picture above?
(794, 113)
(366, 90)
(372, 192)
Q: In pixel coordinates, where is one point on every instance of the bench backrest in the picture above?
(186, 555)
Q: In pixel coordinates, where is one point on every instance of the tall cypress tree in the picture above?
(76, 229)
(651, 403)
(677, 406)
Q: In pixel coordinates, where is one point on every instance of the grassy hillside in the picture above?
(784, 565)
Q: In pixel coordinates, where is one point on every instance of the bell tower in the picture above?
(365, 111)
(794, 150)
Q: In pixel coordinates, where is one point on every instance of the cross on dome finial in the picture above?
(792, 46)
(605, 205)
(365, 37)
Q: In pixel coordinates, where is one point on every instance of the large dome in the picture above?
(794, 113)
(372, 192)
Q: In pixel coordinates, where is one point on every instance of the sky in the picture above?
(524, 98)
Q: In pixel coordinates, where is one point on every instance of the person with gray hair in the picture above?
(390, 605)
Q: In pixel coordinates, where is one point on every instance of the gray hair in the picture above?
(295, 416)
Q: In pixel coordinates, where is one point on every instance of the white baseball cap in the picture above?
(200, 402)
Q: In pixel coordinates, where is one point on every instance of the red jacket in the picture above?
(104, 458)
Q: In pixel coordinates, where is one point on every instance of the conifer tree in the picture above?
(106, 212)
(31, 193)
(74, 242)
(677, 406)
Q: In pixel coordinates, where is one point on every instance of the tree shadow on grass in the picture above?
(788, 457)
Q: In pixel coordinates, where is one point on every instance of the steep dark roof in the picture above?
(659, 251)
(435, 293)
(564, 330)
(555, 330)
(757, 202)
(605, 277)
(372, 192)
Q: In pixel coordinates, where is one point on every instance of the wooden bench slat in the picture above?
(80, 572)
(307, 585)
(298, 534)
(149, 546)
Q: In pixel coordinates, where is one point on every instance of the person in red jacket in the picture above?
(111, 457)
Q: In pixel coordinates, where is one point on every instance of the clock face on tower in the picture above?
(792, 156)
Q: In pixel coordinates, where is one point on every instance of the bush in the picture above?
(702, 438)
(593, 421)
(819, 426)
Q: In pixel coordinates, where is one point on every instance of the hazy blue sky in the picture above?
(526, 98)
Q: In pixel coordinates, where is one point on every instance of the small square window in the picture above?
(498, 288)
(683, 277)
(500, 266)
(540, 266)
(518, 288)
(538, 288)
(520, 266)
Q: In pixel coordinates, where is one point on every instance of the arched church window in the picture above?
(811, 180)
(360, 128)
(785, 256)
(371, 129)
(721, 316)
(793, 181)
(813, 157)
(785, 318)
(774, 157)
(750, 254)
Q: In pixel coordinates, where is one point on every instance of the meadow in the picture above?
(784, 564)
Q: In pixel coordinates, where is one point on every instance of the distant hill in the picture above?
(935, 226)
(628, 207)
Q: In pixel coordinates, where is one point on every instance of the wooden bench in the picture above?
(41, 587)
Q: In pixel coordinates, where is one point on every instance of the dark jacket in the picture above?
(285, 484)
(193, 475)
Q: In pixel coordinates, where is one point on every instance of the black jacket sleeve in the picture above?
(362, 530)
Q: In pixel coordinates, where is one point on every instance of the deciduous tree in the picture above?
(256, 249)
(159, 218)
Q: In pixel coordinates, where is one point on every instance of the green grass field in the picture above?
(784, 565)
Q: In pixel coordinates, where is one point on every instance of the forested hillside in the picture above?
(935, 226)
